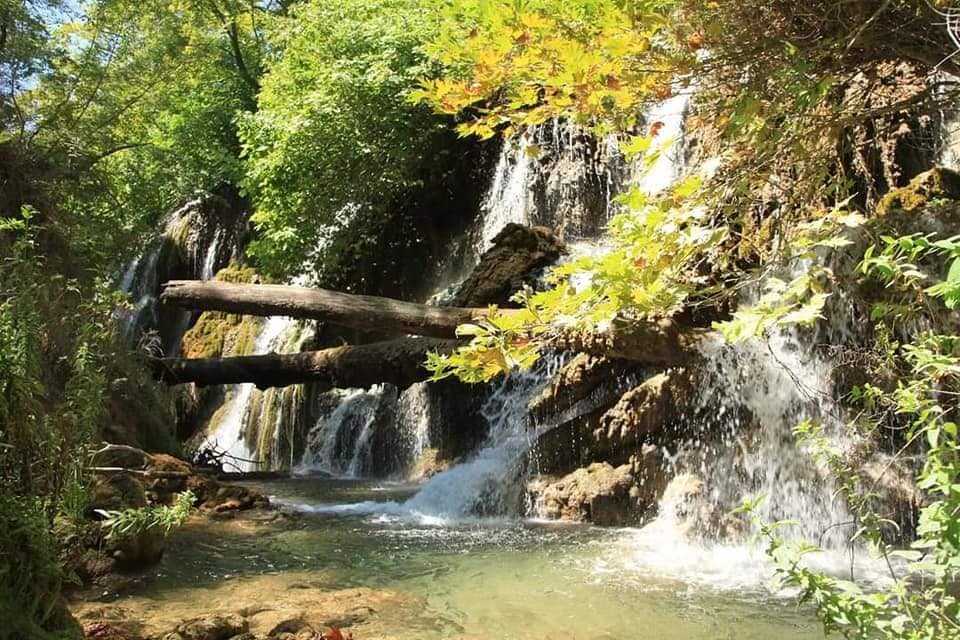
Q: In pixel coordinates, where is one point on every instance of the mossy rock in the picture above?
(216, 333)
(205, 339)
(238, 273)
(937, 184)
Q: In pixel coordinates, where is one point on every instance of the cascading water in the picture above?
(193, 245)
(339, 444)
(491, 482)
(229, 432)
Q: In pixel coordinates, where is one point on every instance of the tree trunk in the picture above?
(370, 313)
(398, 362)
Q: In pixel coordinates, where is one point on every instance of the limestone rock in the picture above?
(686, 504)
(518, 253)
(574, 401)
(138, 551)
(584, 376)
(599, 493)
(643, 414)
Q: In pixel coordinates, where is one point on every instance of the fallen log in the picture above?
(397, 362)
(370, 313)
(661, 342)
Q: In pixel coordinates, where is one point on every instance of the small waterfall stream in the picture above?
(229, 433)
(194, 244)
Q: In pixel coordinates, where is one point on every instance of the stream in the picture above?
(468, 578)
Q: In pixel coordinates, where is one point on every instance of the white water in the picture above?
(670, 117)
(339, 444)
(141, 279)
(414, 416)
(507, 199)
(228, 434)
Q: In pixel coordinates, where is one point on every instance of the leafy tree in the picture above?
(334, 142)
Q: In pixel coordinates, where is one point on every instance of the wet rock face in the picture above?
(517, 256)
(573, 176)
(608, 419)
(585, 376)
(896, 498)
(601, 494)
(644, 414)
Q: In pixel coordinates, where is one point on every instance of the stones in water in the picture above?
(599, 493)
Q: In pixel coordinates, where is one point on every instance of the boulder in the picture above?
(585, 377)
(117, 491)
(216, 497)
(570, 408)
(600, 493)
(644, 414)
(518, 254)
(138, 551)
(687, 507)
(215, 627)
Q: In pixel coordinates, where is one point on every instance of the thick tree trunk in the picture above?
(398, 362)
(371, 313)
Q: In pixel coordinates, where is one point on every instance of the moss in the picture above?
(180, 233)
(242, 340)
(218, 334)
(936, 184)
(205, 339)
(235, 272)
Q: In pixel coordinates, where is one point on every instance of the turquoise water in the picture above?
(474, 579)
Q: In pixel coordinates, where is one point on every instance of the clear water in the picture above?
(472, 579)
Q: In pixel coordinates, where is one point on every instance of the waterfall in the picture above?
(193, 245)
(740, 440)
(228, 431)
(555, 175)
(491, 482)
(414, 416)
(340, 442)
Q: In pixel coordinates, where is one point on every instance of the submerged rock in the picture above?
(289, 606)
(215, 627)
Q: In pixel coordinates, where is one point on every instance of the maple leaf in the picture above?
(333, 634)
(655, 128)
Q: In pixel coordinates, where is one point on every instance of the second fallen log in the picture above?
(397, 362)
